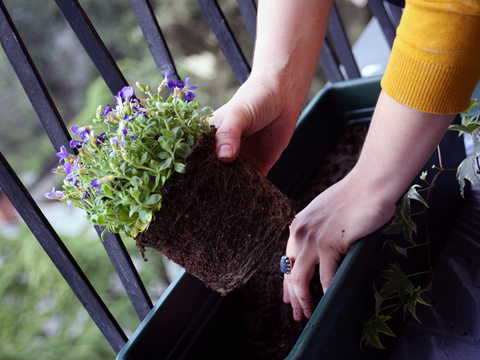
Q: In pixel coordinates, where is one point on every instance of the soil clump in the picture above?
(220, 222)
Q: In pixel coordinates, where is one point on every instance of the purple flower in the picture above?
(96, 184)
(187, 90)
(82, 132)
(69, 203)
(134, 137)
(126, 93)
(106, 110)
(54, 195)
(70, 171)
(63, 154)
(76, 144)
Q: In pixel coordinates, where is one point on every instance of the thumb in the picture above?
(230, 127)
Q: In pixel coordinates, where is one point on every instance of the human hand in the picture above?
(322, 234)
(257, 122)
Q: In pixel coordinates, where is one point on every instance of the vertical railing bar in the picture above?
(248, 10)
(60, 256)
(378, 10)
(58, 134)
(225, 37)
(330, 64)
(92, 43)
(342, 47)
(31, 81)
(394, 13)
(154, 37)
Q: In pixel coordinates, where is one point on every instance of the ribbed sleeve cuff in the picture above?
(428, 87)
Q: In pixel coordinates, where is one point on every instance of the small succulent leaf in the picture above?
(413, 300)
(397, 282)
(163, 155)
(165, 164)
(397, 249)
(144, 158)
(137, 180)
(177, 133)
(183, 150)
(468, 170)
(153, 199)
(179, 167)
(166, 146)
(167, 134)
(371, 330)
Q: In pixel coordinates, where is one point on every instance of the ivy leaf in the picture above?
(412, 300)
(413, 194)
(397, 282)
(402, 221)
(468, 170)
(378, 301)
(371, 330)
(397, 249)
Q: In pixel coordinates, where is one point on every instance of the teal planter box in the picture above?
(193, 322)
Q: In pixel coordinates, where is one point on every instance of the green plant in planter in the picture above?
(128, 154)
(398, 285)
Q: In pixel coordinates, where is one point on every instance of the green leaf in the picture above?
(153, 199)
(371, 330)
(167, 134)
(167, 146)
(163, 155)
(165, 164)
(144, 158)
(179, 167)
(101, 220)
(207, 109)
(397, 249)
(414, 195)
(378, 301)
(177, 133)
(183, 150)
(413, 300)
(468, 170)
(137, 180)
(402, 221)
(473, 104)
(397, 282)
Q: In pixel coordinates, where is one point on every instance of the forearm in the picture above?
(399, 143)
(290, 37)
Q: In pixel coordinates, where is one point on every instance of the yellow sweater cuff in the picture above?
(428, 87)
(435, 60)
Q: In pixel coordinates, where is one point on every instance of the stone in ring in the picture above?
(285, 264)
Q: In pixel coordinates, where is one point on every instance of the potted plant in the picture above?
(148, 169)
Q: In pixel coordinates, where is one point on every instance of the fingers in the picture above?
(297, 288)
(230, 124)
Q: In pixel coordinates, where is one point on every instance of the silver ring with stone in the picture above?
(285, 264)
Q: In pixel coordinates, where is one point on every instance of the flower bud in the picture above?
(141, 87)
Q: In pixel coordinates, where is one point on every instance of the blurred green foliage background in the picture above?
(40, 317)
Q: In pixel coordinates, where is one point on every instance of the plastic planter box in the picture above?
(193, 322)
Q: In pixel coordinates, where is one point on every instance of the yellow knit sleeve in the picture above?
(435, 61)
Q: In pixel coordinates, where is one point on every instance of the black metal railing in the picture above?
(337, 61)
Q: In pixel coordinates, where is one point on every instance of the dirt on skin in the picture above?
(270, 328)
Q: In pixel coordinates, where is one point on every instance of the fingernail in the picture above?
(296, 317)
(225, 152)
(307, 313)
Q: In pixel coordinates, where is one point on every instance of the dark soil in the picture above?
(271, 330)
(220, 222)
